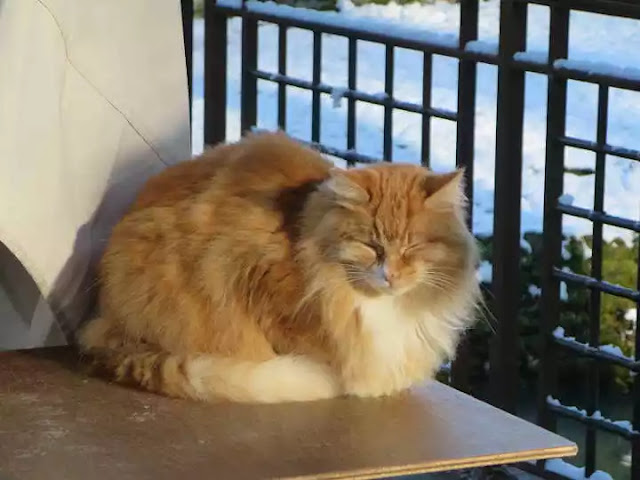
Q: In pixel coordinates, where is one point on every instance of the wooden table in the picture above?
(55, 423)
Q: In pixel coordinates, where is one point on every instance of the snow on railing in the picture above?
(597, 415)
(612, 350)
(598, 68)
(568, 470)
(531, 56)
(343, 20)
(481, 47)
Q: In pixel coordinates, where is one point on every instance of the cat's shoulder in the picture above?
(278, 154)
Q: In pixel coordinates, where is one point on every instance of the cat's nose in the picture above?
(389, 275)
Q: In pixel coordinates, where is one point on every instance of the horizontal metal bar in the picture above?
(576, 74)
(348, 155)
(360, 33)
(606, 287)
(595, 147)
(600, 217)
(616, 81)
(434, 47)
(381, 99)
(619, 8)
(593, 422)
(592, 352)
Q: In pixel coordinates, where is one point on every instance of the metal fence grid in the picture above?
(512, 67)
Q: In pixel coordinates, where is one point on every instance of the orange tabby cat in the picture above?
(260, 273)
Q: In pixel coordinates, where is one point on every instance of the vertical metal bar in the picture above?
(215, 75)
(596, 272)
(282, 70)
(635, 443)
(460, 369)
(249, 93)
(351, 104)
(504, 359)
(427, 68)
(315, 99)
(187, 33)
(387, 145)
(552, 221)
(467, 94)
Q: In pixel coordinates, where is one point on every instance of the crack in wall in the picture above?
(94, 87)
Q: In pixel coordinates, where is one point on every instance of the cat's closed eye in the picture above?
(412, 250)
(428, 249)
(377, 249)
(357, 252)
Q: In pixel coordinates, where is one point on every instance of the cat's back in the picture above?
(185, 180)
(268, 164)
(273, 162)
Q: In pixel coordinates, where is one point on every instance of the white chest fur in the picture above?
(391, 331)
(397, 354)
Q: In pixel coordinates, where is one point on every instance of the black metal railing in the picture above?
(512, 67)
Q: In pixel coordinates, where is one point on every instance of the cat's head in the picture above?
(394, 228)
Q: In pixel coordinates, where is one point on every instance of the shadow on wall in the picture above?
(101, 125)
(27, 319)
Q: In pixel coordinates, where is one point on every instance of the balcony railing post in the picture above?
(215, 75)
(593, 401)
(552, 223)
(249, 94)
(467, 70)
(506, 240)
(635, 443)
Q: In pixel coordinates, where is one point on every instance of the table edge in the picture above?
(445, 465)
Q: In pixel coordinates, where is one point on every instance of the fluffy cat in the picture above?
(258, 272)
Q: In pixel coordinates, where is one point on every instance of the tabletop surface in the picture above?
(55, 422)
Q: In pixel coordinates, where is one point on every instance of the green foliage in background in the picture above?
(619, 267)
(198, 8)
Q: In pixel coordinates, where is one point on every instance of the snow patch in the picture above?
(535, 291)
(564, 294)
(336, 96)
(344, 19)
(566, 199)
(613, 350)
(485, 272)
(480, 46)
(597, 415)
(598, 68)
(532, 56)
(559, 333)
(229, 3)
(556, 403)
(565, 469)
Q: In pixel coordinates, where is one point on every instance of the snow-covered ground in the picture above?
(592, 38)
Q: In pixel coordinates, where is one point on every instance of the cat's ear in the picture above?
(445, 189)
(343, 189)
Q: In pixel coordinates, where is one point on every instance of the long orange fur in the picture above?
(259, 273)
